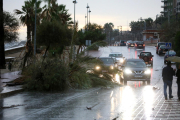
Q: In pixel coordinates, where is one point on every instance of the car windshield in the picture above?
(107, 60)
(140, 42)
(145, 54)
(171, 53)
(159, 44)
(163, 47)
(115, 55)
(136, 64)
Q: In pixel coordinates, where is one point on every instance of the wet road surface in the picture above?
(136, 101)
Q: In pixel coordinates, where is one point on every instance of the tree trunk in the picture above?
(78, 49)
(2, 53)
(45, 53)
(28, 32)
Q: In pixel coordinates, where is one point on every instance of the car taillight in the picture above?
(143, 44)
(151, 59)
(135, 44)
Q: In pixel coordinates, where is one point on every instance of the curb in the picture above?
(7, 94)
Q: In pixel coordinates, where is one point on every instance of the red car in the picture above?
(147, 57)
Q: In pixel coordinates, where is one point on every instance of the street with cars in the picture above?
(135, 100)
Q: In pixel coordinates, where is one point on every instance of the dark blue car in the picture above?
(171, 53)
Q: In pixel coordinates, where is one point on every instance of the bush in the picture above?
(49, 76)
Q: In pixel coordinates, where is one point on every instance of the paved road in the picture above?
(135, 101)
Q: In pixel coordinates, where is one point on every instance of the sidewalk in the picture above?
(8, 77)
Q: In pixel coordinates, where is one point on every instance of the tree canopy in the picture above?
(11, 25)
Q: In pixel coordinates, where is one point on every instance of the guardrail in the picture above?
(14, 50)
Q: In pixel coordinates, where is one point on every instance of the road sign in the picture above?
(168, 45)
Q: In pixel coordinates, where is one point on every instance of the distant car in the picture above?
(162, 49)
(131, 44)
(158, 45)
(128, 42)
(135, 70)
(139, 44)
(147, 57)
(122, 43)
(109, 62)
(170, 54)
(119, 57)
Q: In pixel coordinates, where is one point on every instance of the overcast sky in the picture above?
(119, 12)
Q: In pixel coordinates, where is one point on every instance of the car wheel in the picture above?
(156, 52)
(151, 64)
(125, 82)
(148, 82)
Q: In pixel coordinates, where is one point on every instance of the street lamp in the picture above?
(74, 29)
(85, 22)
(87, 16)
(74, 11)
(35, 30)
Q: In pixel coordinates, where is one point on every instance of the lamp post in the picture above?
(73, 55)
(87, 16)
(35, 31)
(85, 21)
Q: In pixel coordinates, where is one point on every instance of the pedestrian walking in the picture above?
(178, 81)
(167, 73)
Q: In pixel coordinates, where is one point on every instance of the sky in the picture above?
(119, 12)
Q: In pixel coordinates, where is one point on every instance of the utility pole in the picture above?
(87, 16)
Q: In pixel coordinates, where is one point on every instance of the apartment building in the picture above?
(169, 7)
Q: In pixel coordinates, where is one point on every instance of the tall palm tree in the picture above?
(108, 28)
(27, 15)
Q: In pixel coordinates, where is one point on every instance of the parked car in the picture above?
(109, 62)
(139, 44)
(147, 57)
(122, 43)
(131, 44)
(158, 45)
(162, 49)
(119, 57)
(128, 42)
(135, 70)
(170, 54)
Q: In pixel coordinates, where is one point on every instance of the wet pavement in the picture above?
(136, 101)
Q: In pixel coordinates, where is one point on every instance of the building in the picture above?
(152, 34)
(170, 7)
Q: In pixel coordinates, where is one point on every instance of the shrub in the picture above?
(49, 76)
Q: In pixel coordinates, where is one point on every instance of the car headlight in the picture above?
(147, 71)
(121, 61)
(128, 71)
(97, 67)
(112, 67)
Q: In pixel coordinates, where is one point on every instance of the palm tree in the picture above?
(108, 27)
(27, 15)
(55, 11)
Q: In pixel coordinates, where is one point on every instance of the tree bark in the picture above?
(2, 53)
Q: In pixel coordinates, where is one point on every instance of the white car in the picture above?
(118, 57)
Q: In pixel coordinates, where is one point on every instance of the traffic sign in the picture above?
(168, 45)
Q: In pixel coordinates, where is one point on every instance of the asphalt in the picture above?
(9, 90)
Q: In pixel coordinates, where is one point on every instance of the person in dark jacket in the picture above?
(167, 74)
(178, 81)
